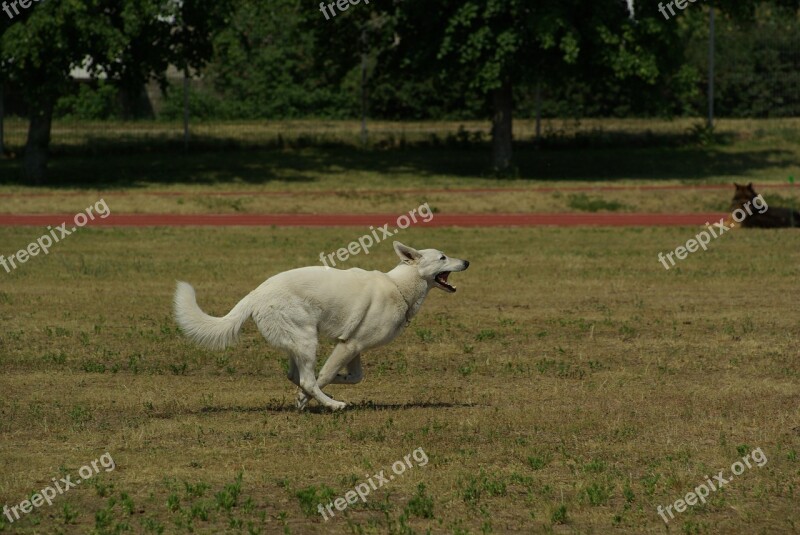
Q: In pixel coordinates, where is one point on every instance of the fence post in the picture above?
(538, 110)
(364, 85)
(711, 67)
(186, 109)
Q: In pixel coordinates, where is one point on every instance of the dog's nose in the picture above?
(466, 264)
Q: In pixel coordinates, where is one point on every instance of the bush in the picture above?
(89, 103)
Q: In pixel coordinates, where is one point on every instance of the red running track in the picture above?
(366, 220)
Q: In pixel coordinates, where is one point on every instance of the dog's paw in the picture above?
(337, 406)
(302, 400)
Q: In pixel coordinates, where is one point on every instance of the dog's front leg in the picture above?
(344, 354)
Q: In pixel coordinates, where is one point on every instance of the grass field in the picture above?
(571, 385)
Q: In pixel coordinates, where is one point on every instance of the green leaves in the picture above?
(129, 41)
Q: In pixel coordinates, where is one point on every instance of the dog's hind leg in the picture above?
(294, 376)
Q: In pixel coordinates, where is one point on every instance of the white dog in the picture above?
(361, 309)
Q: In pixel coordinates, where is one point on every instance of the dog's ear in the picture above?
(406, 254)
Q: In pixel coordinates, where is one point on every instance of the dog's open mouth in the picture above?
(441, 280)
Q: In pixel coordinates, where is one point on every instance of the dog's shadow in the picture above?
(281, 406)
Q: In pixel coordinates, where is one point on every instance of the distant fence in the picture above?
(72, 134)
(100, 136)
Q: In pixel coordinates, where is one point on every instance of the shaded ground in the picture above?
(327, 156)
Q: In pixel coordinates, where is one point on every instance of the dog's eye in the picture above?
(443, 257)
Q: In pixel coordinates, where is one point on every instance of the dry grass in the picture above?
(347, 202)
(570, 386)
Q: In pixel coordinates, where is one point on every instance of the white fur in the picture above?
(361, 309)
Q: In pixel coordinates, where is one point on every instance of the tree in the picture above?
(509, 43)
(264, 65)
(37, 55)
(128, 41)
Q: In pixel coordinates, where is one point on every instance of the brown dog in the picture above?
(769, 218)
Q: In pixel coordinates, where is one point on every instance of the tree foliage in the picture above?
(126, 41)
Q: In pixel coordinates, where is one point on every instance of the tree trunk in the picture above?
(38, 144)
(2, 122)
(502, 136)
(135, 102)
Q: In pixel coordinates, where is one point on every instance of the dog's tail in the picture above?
(205, 330)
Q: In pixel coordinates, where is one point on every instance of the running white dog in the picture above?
(361, 309)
